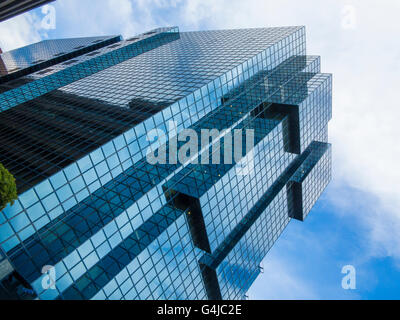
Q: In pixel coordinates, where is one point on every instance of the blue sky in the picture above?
(357, 220)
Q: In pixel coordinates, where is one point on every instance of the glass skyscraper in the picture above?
(95, 219)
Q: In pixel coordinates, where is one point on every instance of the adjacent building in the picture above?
(96, 220)
(12, 8)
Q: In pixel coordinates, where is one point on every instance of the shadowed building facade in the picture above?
(96, 220)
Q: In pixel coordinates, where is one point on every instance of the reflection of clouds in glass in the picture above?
(168, 266)
(33, 54)
(179, 67)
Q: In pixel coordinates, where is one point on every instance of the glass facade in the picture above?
(37, 56)
(96, 220)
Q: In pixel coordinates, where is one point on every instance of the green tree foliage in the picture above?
(8, 188)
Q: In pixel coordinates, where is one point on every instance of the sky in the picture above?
(356, 222)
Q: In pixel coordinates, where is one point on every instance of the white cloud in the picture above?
(88, 17)
(19, 31)
(82, 18)
(279, 282)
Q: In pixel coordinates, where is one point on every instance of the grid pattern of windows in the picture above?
(166, 269)
(149, 256)
(222, 199)
(115, 226)
(313, 94)
(239, 269)
(44, 50)
(43, 54)
(56, 78)
(234, 195)
(133, 142)
(220, 259)
(171, 72)
(315, 179)
(73, 126)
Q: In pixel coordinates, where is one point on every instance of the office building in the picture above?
(94, 219)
